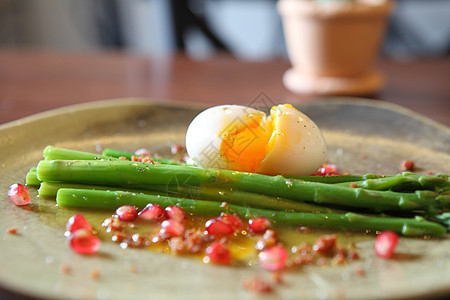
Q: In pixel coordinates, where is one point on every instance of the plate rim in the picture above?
(98, 104)
(118, 102)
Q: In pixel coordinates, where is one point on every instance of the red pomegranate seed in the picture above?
(152, 212)
(327, 169)
(83, 241)
(273, 258)
(325, 244)
(258, 285)
(95, 274)
(258, 225)
(176, 213)
(172, 228)
(234, 221)
(176, 149)
(218, 253)
(218, 227)
(127, 213)
(12, 230)
(18, 194)
(76, 222)
(407, 165)
(385, 244)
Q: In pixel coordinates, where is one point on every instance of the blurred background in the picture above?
(248, 29)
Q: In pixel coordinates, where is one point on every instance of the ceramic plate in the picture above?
(362, 135)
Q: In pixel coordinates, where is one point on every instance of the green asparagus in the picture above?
(31, 178)
(132, 173)
(348, 221)
(51, 153)
(405, 182)
(50, 189)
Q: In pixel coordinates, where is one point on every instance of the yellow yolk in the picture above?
(245, 147)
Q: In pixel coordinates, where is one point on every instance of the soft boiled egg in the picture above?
(241, 138)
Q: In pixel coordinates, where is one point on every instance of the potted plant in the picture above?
(332, 44)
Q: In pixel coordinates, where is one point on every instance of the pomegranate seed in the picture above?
(268, 240)
(352, 255)
(152, 212)
(234, 221)
(95, 274)
(172, 228)
(258, 285)
(385, 244)
(142, 152)
(176, 149)
(353, 185)
(76, 222)
(325, 244)
(218, 253)
(127, 213)
(83, 241)
(407, 165)
(273, 258)
(258, 225)
(18, 194)
(327, 169)
(12, 230)
(218, 227)
(176, 213)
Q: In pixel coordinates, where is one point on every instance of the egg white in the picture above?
(205, 133)
(298, 147)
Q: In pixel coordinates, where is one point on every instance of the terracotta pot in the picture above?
(332, 45)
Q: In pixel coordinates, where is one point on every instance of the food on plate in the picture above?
(254, 175)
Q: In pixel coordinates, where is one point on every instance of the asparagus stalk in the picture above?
(348, 221)
(51, 153)
(405, 182)
(56, 153)
(234, 196)
(31, 178)
(443, 218)
(50, 189)
(336, 179)
(125, 173)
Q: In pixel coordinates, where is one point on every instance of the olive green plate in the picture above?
(363, 136)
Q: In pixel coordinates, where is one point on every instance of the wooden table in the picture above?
(33, 81)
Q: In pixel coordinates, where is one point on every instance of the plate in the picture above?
(362, 135)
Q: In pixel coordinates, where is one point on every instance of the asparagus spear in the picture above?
(56, 153)
(50, 189)
(124, 172)
(443, 218)
(405, 182)
(31, 178)
(348, 221)
(336, 179)
(52, 153)
(234, 196)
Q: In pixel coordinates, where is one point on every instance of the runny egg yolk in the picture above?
(247, 144)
